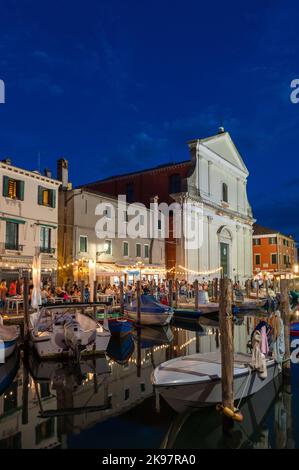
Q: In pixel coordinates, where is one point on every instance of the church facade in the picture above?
(217, 185)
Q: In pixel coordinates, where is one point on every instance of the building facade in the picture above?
(28, 220)
(115, 258)
(213, 181)
(273, 252)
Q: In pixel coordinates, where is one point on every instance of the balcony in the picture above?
(13, 247)
(46, 249)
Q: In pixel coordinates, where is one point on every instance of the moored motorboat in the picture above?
(58, 331)
(120, 325)
(195, 381)
(152, 311)
(8, 340)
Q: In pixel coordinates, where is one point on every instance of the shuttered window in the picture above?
(12, 236)
(13, 188)
(46, 197)
(126, 249)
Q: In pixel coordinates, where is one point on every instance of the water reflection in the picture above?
(60, 404)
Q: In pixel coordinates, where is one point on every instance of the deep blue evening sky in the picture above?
(115, 86)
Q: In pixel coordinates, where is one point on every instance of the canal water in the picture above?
(109, 402)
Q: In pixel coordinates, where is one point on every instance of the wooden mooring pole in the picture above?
(138, 294)
(82, 286)
(170, 293)
(26, 306)
(121, 297)
(176, 293)
(196, 293)
(227, 347)
(216, 289)
(285, 315)
(94, 300)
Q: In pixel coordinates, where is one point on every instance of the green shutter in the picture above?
(40, 195)
(53, 198)
(20, 190)
(5, 185)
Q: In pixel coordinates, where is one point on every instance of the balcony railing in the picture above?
(46, 249)
(13, 247)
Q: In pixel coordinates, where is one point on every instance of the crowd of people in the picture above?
(70, 291)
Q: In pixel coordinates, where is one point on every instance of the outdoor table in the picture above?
(106, 297)
(11, 301)
(58, 300)
(75, 298)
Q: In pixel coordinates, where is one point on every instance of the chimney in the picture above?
(63, 172)
(48, 173)
(7, 161)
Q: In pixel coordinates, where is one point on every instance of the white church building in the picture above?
(216, 185)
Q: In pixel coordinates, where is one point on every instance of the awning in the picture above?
(15, 221)
(46, 225)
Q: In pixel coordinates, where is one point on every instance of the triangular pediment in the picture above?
(223, 146)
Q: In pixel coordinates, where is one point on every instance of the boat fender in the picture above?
(234, 414)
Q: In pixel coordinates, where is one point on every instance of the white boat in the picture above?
(152, 311)
(58, 331)
(195, 381)
(8, 340)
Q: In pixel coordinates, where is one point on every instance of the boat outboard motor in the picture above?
(72, 335)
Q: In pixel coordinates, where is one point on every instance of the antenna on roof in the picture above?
(38, 161)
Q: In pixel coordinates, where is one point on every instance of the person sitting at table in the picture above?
(12, 289)
(109, 290)
(59, 293)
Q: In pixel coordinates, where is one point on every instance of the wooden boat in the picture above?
(195, 381)
(64, 330)
(152, 311)
(8, 340)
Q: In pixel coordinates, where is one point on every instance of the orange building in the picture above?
(273, 252)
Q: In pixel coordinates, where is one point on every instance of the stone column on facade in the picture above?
(209, 177)
(210, 219)
(238, 195)
(238, 257)
(244, 252)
